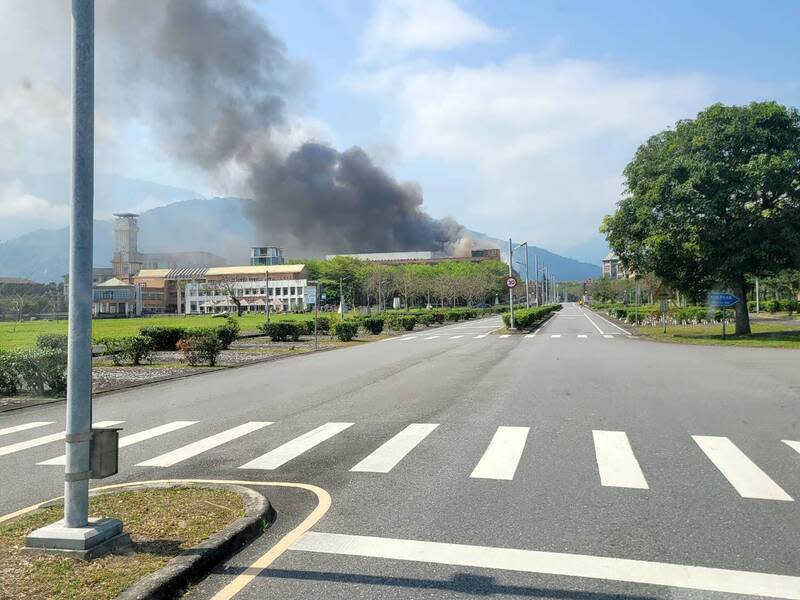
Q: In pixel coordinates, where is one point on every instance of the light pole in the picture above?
(266, 292)
(77, 534)
(341, 294)
(527, 292)
(510, 289)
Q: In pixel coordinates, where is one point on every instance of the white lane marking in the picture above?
(592, 322)
(455, 337)
(294, 448)
(483, 335)
(503, 454)
(25, 427)
(390, 339)
(432, 337)
(555, 563)
(742, 473)
(506, 335)
(46, 439)
(556, 335)
(583, 336)
(386, 457)
(200, 446)
(608, 336)
(134, 438)
(628, 333)
(792, 444)
(408, 337)
(616, 462)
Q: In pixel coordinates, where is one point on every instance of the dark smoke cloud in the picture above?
(222, 82)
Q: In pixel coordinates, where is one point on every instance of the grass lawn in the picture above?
(161, 522)
(23, 335)
(763, 335)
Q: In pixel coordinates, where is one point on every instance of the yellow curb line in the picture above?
(262, 562)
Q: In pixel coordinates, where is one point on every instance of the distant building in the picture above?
(117, 297)
(126, 260)
(421, 257)
(267, 255)
(212, 289)
(10, 281)
(612, 267)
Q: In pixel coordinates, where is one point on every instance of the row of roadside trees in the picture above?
(442, 284)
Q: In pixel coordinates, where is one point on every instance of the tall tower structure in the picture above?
(126, 260)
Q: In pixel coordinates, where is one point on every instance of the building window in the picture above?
(293, 290)
(286, 291)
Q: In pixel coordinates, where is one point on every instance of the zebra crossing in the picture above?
(615, 457)
(504, 336)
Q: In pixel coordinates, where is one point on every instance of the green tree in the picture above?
(713, 201)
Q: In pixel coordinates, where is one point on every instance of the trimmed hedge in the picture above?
(164, 338)
(282, 331)
(345, 330)
(527, 318)
(54, 341)
(38, 370)
(373, 324)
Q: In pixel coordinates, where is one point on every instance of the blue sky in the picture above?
(515, 117)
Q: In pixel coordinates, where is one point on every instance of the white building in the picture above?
(219, 286)
(116, 297)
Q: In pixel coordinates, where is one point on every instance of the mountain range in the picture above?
(217, 225)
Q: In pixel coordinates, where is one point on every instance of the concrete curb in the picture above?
(195, 563)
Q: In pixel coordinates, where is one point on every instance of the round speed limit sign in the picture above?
(511, 282)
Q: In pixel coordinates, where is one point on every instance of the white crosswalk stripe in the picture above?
(616, 462)
(792, 444)
(481, 336)
(203, 445)
(386, 457)
(455, 337)
(25, 427)
(294, 448)
(408, 337)
(582, 336)
(134, 438)
(46, 439)
(556, 335)
(742, 473)
(503, 454)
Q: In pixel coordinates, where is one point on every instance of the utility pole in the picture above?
(266, 292)
(510, 290)
(341, 296)
(536, 277)
(77, 534)
(758, 305)
(527, 280)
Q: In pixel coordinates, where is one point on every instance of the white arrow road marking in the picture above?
(393, 451)
(25, 427)
(46, 439)
(555, 563)
(502, 455)
(294, 448)
(742, 473)
(134, 438)
(615, 460)
(200, 446)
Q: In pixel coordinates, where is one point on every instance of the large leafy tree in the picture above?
(713, 201)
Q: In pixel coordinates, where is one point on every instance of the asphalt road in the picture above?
(462, 464)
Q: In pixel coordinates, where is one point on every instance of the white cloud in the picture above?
(400, 26)
(20, 210)
(536, 145)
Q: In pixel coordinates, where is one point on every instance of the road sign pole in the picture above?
(527, 280)
(723, 322)
(316, 311)
(510, 290)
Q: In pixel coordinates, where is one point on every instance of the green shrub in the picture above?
(9, 379)
(40, 369)
(345, 330)
(407, 322)
(201, 348)
(281, 331)
(373, 324)
(527, 318)
(771, 306)
(323, 324)
(427, 319)
(452, 315)
(136, 348)
(55, 341)
(164, 338)
(228, 332)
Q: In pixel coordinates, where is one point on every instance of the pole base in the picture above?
(99, 537)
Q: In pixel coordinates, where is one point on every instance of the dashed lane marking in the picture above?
(743, 474)
(432, 337)
(294, 448)
(386, 457)
(25, 427)
(200, 446)
(455, 337)
(582, 336)
(555, 335)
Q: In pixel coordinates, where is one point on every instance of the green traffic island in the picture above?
(169, 528)
(528, 319)
(763, 335)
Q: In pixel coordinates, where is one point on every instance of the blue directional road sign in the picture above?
(722, 300)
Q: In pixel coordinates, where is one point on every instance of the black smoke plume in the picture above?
(221, 84)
